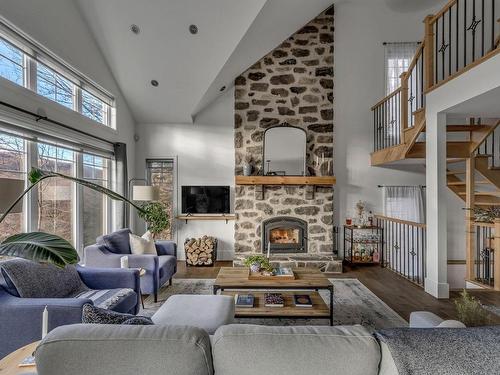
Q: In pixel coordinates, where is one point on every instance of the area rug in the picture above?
(353, 303)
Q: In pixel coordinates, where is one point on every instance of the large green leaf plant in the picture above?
(49, 248)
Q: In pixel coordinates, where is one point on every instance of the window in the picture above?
(398, 57)
(12, 165)
(405, 203)
(11, 63)
(94, 204)
(161, 173)
(54, 86)
(21, 58)
(76, 213)
(56, 196)
(94, 108)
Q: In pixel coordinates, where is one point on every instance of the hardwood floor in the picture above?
(401, 295)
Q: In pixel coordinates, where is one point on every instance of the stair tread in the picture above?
(484, 193)
(459, 183)
(455, 172)
(465, 128)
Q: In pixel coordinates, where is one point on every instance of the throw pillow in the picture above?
(116, 242)
(141, 245)
(96, 315)
(36, 280)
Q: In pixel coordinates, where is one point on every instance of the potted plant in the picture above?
(49, 248)
(470, 312)
(258, 263)
(247, 165)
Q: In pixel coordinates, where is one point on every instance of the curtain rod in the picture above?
(45, 118)
(386, 43)
(420, 186)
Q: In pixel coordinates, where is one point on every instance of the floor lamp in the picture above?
(143, 193)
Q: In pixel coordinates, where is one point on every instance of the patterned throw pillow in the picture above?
(96, 315)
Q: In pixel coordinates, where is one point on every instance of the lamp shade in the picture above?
(145, 193)
(10, 190)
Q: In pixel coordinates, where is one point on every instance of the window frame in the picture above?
(30, 207)
(34, 54)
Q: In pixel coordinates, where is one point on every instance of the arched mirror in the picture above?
(284, 152)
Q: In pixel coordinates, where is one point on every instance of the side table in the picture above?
(10, 364)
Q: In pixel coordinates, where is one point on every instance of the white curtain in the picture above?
(405, 203)
(398, 57)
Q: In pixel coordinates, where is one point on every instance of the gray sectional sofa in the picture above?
(238, 349)
(235, 349)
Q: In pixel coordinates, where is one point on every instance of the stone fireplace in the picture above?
(292, 86)
(284, 235)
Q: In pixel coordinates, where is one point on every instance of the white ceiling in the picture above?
(191, 69)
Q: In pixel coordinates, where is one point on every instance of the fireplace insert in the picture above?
(284, 235)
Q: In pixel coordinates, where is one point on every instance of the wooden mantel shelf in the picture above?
(286, 180)
(225, 218)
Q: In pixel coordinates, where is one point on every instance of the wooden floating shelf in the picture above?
(225, 218)
(286, 180)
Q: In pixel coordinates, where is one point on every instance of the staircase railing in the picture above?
(462, 35)
(481, 265)
(491, 148)
(404, 248)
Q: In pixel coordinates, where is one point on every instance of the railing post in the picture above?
(404, 105)
(429, 52)
(496, 255)
(470, 230)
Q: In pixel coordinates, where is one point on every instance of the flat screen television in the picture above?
(205, 200)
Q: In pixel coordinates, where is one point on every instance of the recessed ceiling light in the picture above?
(222, 88)
(154, 83)
(193, 29)
(135, 29)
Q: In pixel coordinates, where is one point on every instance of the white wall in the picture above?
(360, 29)
(205, 156)
(58, 25)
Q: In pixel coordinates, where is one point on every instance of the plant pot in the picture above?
(255, 267)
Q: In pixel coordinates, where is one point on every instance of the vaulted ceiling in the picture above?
(190, 69)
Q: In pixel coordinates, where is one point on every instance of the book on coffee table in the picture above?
(302, 300)
(244, 300)
(284, 272)
(274, 300)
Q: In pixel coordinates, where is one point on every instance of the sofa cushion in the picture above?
(95, 315)
(108, 299)
(166, 264)
(249, 350)
(116, 242)
(125, 350)
(35, 280)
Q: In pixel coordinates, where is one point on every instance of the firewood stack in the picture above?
(201, 251)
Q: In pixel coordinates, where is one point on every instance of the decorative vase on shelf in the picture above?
(247, 169)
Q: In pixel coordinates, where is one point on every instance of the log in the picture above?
(201, 251)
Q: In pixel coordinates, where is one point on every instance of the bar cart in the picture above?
(363, 244)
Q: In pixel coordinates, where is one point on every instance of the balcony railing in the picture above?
(481, 262)
(404, 248)
(463, 34)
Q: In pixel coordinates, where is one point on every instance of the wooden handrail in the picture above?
(392, 94)
(418, 54)
(399, 221)
(443, 10)
(483, 224)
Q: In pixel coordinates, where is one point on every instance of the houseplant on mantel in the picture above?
(49, 248)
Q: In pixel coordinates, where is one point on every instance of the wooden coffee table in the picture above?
(231, 279)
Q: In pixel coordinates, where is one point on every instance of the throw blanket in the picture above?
(444, 351)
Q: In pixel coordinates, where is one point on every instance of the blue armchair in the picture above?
(21, 318)
(159, 268)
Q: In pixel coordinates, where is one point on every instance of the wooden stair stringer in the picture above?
(478, 136)
(492, 175)
(416, 131)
